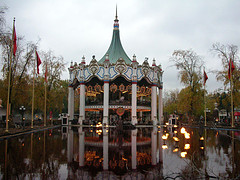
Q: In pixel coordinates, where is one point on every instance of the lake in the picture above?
(112, 153)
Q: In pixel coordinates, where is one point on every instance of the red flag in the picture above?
(230, 65)
(46, 72)
(14, 42)
(205, 77)
(38, 62)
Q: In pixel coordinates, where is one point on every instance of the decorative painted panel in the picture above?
(112, 72)
(139, 74)
(128, 73)
(87, 74)
(101, 72)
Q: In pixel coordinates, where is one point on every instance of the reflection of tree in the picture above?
(20, 164)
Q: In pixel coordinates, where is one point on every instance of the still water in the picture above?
(110, 153)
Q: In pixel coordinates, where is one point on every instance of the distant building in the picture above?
(113, 83)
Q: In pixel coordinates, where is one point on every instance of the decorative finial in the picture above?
(107, 57)
(83, 60)
(71, 66)
(134, 58)
(93, 56)
(116, 24)
(116, 12)
(154, 62)
(146, 58)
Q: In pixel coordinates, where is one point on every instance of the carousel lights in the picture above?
(202, 138)
(183, 154)
(187, 136)
(176, 149)
(164, 146)
(175, 126)
(202, 147)
(175, 132)
(183, 130)
(164, 137)
(187, 146)
(175, 139)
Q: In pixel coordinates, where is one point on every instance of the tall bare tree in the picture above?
(225, 53)
(189, 65)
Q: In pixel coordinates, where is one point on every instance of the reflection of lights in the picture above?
(91, 130)
(167, 124)
(175, 150)
(164, 137)
(159, 131)
(201, 147)
(187, 135)
(175, 132)
(183, 154)
(202, 138)
(39, 138)
(176, 139)
(183, 130)
(187, 146)
(175, 126)
(164, 146)
(159, 126)
(99, 124)
(91, 125)
(107, 130)
(22, 144)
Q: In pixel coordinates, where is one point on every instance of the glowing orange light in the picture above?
(176, 139)
(164, 146)
(183, 130)
(201, 138)
(201, 147)
(187, 146)
(187, 136)
(175, 150)
(183, 154)
(164, 137)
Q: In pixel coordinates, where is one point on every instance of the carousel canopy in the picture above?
(116, 51)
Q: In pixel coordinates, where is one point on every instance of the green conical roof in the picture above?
(116, 51)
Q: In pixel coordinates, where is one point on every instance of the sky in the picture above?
(148, 28)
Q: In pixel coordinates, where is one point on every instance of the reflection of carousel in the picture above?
(120, 155)
(116, 81)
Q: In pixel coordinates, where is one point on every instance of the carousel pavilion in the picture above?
(116, 87)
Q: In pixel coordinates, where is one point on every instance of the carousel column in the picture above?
(71, 103)
(134, 91)
(82, 103)
(154, 146)
(134, 102)
(106, 92)
(134, 149)
(106, 102)
(105, 149)
(154, 104)
(70, 145)
(81, 146)
(160, 105)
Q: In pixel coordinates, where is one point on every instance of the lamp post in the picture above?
(22, 109)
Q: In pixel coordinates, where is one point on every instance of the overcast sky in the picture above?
(148, 28)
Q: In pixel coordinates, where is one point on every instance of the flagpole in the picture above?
(33, 89)
(45, 107)
(9, 78)
(204, 99)
(231, 87)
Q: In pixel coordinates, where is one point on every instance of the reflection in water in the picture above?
(143, 153)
